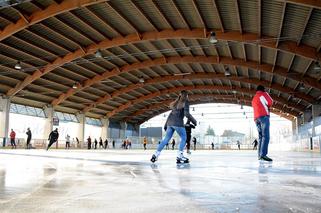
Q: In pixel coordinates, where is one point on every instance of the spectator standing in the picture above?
(13, 139)
(29, 136)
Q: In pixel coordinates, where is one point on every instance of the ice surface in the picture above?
(125, 181)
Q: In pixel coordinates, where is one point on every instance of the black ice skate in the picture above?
(182, 159)
(153, 159)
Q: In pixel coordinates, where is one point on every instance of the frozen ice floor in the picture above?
(125, 181)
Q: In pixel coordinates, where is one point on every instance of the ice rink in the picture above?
(125, 181)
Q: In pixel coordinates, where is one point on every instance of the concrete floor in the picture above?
(125, 181)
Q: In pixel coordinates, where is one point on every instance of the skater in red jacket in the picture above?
(13, 139)
(261, 104)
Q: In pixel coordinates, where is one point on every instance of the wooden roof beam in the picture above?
(186, 59)
(238, 15)
(302, 50)
(304, 26)
(281, 25)
(218, 16)
(38, 16)
(197, 76)
(159, 93)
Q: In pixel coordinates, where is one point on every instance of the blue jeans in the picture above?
(169, 133)
(263, 128)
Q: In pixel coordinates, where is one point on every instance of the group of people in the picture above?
(102, 144)
(13, 139)
(261, 104)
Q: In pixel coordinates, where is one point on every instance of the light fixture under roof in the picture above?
(301, 86)
(227, 71)
(141, 80)
(317, 66)
(18, 66)
(75, 85)
(212, 39)
(234, 91)
(98, 54)
(183, 73)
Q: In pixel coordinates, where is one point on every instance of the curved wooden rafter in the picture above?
(195, 76)
(38, 16)
(190, 59)
(162, 92)
(195, 99)
(287, 46)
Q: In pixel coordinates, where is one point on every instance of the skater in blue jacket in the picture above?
(175, 122)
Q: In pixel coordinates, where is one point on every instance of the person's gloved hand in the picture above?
(165, 128)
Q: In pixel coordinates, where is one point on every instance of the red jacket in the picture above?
(12, 135)
(261, 104)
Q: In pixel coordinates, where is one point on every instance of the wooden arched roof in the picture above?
(275, 43)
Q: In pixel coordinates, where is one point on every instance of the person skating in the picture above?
(113, 144)
(261, 104)
(13, 139)
(53, 138)
(101, 145)
(212, 144)
(145, 143)
(238, 144)
(188, 128)
(106, 144)
(67, 142)
(96, 143)
(194, 143)
(255, 144)
(29, 136)
(89, 142)
(173, 144)
(175, 122)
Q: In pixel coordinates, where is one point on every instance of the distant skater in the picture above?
(29, 136)
(67, 142)
(173, 144)
(145, 143)
(13, 139)
(96, 143)
(261, 104)
(89, 142)
(113, 143)
(101, 145)
(238, 144)
(212, 144)
(188, 128)
(194, 143)
(255, 144)
(175, 122)
(106, 144)
(53, 138)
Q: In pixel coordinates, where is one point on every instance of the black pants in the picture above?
(144, 146)
(188, 141)
(67, 145)
(50, 143)
(13, 143)
(28, 143)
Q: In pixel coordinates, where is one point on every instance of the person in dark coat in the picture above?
(89, 142)
(29, 136)
(101, 145)
(113, 144)
(255, 143)
(106, 144)
(96, 143)
(188, 128)
(53, 138)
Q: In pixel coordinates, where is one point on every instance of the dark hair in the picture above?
(260, 88)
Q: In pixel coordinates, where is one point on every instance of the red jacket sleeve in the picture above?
(269, 99)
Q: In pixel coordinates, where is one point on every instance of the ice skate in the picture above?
(188, 152)
(182, 159)
(153, 159)
(265, 159)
